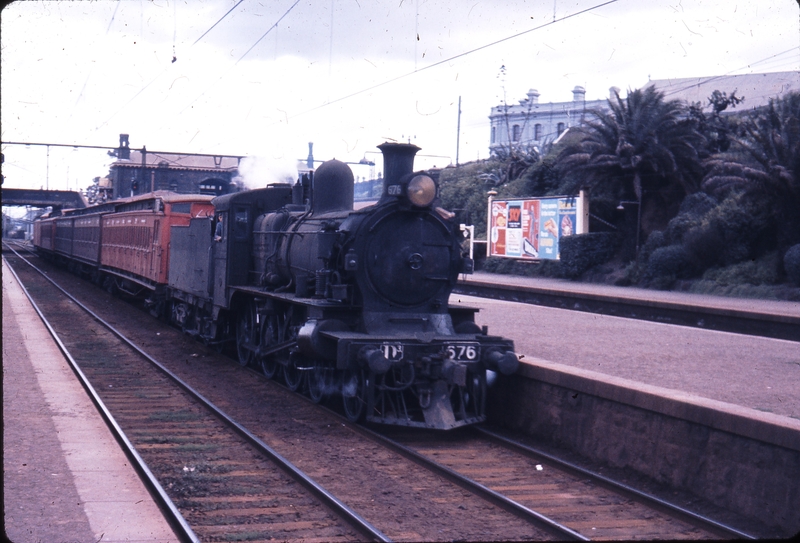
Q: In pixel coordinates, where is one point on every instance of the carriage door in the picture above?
(156, 266)
(220, 249)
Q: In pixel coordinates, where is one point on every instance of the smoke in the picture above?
(258, 172)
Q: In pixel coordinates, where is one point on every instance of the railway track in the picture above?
(403, 501)
(583, 504)
(215, 480)
(397, 489)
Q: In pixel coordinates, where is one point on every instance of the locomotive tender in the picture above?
(335, 301)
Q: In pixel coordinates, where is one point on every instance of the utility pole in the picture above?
(458, 130)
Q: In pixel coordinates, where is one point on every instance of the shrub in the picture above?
(791, 263)
(582, 251)
(655, 240)
(762, 271)
(704, 245)
(513, 266)
(670, 262)
(697, 204)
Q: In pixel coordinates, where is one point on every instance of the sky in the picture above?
(263, 78)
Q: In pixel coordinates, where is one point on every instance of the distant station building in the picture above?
(140, 171)
(531, 123)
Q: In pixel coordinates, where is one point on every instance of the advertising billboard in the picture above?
(530, 228)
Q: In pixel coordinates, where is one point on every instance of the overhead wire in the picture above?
(450, 59)
(275, 25)
(218, 21)
(220, 78)
(145, 87)
(80, 95)
(703, 81)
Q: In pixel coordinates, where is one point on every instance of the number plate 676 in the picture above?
(464, 351)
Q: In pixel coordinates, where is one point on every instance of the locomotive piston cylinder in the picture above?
(315, 345)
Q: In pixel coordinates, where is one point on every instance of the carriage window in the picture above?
(185, 207)
(240, 224)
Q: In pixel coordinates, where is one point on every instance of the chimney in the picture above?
(578, 94)
(398, 161)
(124, 151)
(533, 96)
(310, 159)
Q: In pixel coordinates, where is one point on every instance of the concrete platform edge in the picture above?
(739, 459)
(767, 427)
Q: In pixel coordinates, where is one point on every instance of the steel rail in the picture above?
(168, 508)
(486, 493)
(315, 488)
(516, 508)
(657, 503)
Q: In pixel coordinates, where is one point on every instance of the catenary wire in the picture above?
(450, 59)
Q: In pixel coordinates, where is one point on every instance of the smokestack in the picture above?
(310, 159)
(398, 161)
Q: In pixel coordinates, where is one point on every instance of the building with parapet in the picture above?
(531, 123)
(140, 171)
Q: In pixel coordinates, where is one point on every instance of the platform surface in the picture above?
(762, 374)
(65, 478)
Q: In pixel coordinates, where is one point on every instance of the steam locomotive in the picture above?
(336, 302)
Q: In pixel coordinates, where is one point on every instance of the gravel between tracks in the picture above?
(404, 501)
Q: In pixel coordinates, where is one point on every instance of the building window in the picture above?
(537, 132)
(515, 132)
(494, 134)
(560, 128)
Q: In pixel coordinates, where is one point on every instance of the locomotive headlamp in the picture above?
(421, 190)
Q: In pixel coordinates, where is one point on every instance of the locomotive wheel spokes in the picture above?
(318, 383)
(269, 366)
(245, 332)
(353, 390)
(292, 375)
(269, 337)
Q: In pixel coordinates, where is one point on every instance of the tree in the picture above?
(715, 127)
(644, 149)
(764, 165)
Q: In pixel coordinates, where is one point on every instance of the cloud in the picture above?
(84, 72)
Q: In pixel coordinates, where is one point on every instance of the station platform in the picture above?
(749, 371)
(761, 307)
(65, 478)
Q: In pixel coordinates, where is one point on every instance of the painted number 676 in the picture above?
(466, 351)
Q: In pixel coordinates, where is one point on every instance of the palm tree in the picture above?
(644, 149)
(764, 165)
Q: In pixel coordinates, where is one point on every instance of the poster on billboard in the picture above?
(530, 228)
